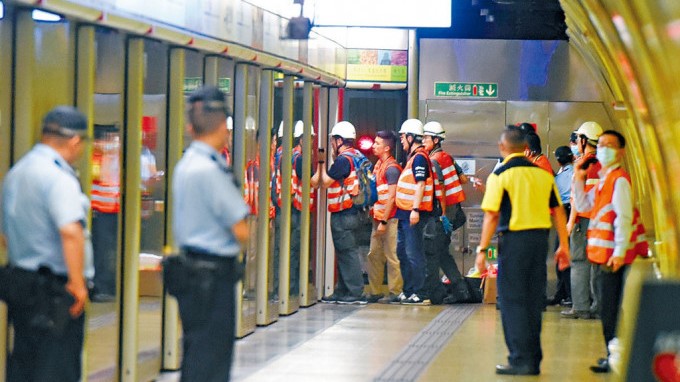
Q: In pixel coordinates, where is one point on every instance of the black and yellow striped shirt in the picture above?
(523, 193)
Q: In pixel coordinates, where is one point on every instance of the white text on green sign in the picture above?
(465, 89)
(192, 83)
(224, 84)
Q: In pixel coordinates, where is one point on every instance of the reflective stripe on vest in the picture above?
(592, 179)
(407, 185)
(340, 195)
(383, 188)
(252, 184)
(453, 189)
(105, 198)
(296, 184)
(105, 193)
(601, 238)
(277, 174)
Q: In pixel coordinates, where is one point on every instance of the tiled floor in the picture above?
(348, 343)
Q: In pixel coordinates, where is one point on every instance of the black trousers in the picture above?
(521, 293)
(610, 288)
(436, 247)
(39, 355)
(563, 289)
(209, 329)
(104, 248)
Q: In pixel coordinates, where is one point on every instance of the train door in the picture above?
(5, 143)
(152, 186)
(267, 299)
(245, 166)
(284, 111)
(308, 142)
(333, 116)
(320, 216)
(186, 74)
(105, 182)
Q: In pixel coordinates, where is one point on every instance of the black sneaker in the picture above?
(373, 298)
(416, 300)
(398, 299)
(390, 298)
(332, 299)
(352, 300)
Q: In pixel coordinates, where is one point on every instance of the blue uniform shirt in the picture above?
(563, 180)
(41, 194)
(206, 203)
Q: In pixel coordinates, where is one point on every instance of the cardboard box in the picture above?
(150, 283)
(489, 290)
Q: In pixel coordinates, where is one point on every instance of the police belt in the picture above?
(41, 293)
(209, 261)
(196, 269)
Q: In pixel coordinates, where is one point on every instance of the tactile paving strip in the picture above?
(414, 358)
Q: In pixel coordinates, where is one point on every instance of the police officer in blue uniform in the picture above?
(210, 227)
(44, 226)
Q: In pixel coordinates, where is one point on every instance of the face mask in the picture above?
(606, 155)
(574, 150)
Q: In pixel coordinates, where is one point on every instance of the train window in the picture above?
(43, 16)
(2, 10)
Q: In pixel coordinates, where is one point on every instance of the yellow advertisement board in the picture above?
(377, 65)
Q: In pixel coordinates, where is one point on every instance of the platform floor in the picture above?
(378, 342)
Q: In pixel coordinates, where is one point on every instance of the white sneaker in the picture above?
(416, 300)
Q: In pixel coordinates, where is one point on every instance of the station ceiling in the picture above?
(503, 19)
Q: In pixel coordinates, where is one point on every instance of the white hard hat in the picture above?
(592, 130)
(344, 129)
(299, 129)
(434, 129)
(250, 123)
(411, 126)
(230, 123)
(280, 132)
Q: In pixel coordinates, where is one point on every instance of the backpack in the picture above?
(368, 193)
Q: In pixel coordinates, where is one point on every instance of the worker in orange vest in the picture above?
(616, 235)
(105, 196)
(438, 229)
(342, 183)
(383, 246)
(415, 203)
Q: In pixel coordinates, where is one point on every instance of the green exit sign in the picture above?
(224, 83)
(466, 89)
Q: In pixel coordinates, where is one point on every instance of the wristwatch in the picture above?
(383, 222)
(416, 210)
(481, 249)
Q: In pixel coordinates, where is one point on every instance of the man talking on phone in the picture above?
(583, 296)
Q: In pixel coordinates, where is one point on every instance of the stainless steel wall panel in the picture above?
(472, 127)
(523, 69)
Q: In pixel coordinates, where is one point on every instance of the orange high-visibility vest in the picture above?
(340, 195)
(592, 178)
(601, 227)
(406, 187)
(296, 184)
(543, 162)
(382, 187)
(452, 189)
(277, 174)
(252, 184)
(105, 192)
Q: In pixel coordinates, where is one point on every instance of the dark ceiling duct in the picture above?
(503, 19)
